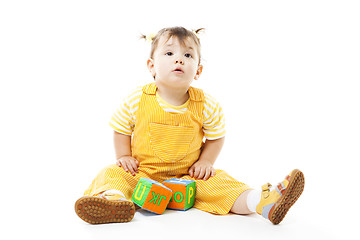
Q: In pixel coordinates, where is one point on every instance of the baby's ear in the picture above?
(150, 65)
(198, 72)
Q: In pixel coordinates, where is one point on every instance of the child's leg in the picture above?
(217, 194)
(113, 177)
(241, 206)
(106, 198)
(272, 203)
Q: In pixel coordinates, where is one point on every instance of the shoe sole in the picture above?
(96, 210)
(291, 195)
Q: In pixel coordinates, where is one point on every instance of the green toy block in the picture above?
(151, 195)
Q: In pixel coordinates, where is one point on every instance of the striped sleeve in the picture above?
(123, 120)
(214, 120)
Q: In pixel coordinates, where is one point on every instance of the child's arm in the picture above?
(124, 159)
(203, 168)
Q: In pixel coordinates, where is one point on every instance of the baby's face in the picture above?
(174, 64)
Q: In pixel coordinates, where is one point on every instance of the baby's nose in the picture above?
(179, 61)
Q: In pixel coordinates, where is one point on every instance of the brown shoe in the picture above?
(98, 210)
(275, 204)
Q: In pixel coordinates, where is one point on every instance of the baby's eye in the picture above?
(188, 55)
(169, 53)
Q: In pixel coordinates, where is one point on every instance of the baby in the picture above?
(159, 133)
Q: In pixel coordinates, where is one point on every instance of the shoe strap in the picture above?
(280, 188)
(266, 190)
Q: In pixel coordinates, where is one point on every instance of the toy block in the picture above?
(151, 195)
(183, 196)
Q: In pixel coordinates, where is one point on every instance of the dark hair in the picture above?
(180, 32)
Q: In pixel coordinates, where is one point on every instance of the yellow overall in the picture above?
(166, 146)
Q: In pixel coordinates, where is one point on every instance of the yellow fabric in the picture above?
(123, 120)
(171, 108)
(166, 145)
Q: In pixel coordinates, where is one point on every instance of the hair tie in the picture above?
(195, 33)
(150, 37)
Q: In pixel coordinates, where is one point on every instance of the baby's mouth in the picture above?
(178, 70)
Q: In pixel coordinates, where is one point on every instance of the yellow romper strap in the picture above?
(195, 94)
(149, 89)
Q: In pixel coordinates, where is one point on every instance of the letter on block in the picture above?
(151, 195)
(183, 196)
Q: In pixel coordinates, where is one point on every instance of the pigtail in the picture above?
(142, 36)
(198, 31)
(149, 37)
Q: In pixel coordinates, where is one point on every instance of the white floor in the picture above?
(200, 225)
(43, 217)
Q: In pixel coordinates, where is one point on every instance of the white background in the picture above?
(286, 73)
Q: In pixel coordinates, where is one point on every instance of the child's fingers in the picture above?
(191, 171)
(201, 173)
(124, 165)
(210, 172)
(131, 169)
(196, 172)
(207, 174)
(129, 165)
(134, 166)
(118, 163)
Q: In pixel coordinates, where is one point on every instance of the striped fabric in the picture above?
(216, 195)
(123, 120)
(166, 146)
(164, 143)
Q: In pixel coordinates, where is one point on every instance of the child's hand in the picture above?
(202, 170)
(128, 163)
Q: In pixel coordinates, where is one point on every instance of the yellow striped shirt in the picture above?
(123, 120)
